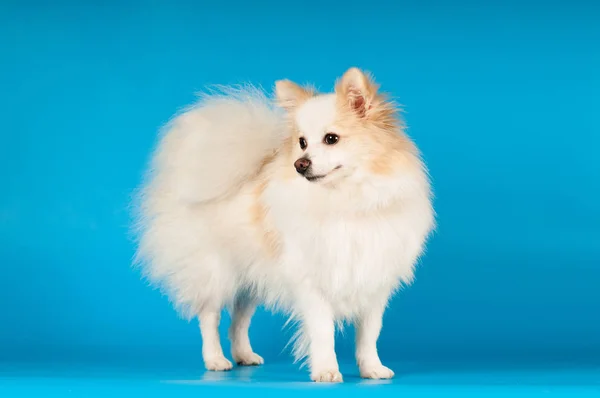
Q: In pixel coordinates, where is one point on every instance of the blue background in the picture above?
(501, 97)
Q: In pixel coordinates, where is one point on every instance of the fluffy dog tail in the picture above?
(211, 148)
(204, 154)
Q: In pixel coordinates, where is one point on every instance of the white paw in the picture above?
(248, 359)
(376, 372)
(327, 376)
(218, 363)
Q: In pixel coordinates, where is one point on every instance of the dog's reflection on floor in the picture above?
(283, 376)
(242, 373)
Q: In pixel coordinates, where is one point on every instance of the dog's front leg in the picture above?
(368, 327)
(318, 329)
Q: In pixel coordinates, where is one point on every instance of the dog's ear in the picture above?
(357, 90)
(290, 95)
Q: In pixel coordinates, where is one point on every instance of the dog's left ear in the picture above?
(358, 90)
(290, 95)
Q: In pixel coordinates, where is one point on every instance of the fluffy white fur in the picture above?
(225, 220)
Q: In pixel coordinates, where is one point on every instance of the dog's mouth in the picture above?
(316, 178)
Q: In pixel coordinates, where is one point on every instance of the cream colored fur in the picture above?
(225, 220)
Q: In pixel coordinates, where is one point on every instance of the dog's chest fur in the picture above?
(351, 259)
(354, 262)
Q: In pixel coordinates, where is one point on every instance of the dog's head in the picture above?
(345, 137)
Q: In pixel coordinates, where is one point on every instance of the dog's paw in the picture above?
(218, 363)
(376, 372)
(248, 359)
(327, 376)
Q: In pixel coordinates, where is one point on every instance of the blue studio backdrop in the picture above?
(501, 97)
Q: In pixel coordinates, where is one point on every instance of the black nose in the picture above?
(302, 165)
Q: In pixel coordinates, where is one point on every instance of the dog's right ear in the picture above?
(290, 95)
(357, 90)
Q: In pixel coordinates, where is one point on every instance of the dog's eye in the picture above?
(303, 143)
(331, 139)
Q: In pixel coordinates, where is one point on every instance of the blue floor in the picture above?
(447, 380)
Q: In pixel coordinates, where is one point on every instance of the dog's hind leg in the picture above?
(241, 350)
(212, 352)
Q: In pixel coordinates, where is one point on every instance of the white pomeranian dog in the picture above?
(314, 204)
